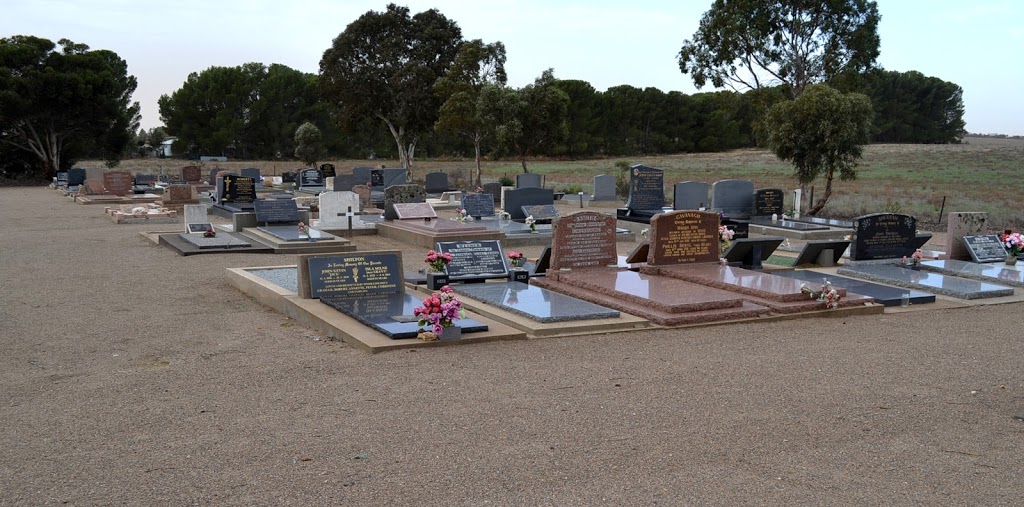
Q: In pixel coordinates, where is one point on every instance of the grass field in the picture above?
(981, 174)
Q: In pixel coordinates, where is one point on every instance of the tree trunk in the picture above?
(476, 147)
(407, 163)
(824, 199)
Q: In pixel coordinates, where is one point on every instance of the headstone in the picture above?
(541, 211)
(392, 176)
(494, 189)
(583, 240)
(528, 180)
(334, 203)
(646, 189)
(195, 214)
(401, 194)
(543, 262)
(345, 182)
(310, 178)
(436, 182)
(960, 224)
(751, 252)
(681, 237)
(813, 251)
(883, 236)
(76, 176)
(363, 192)
(516, 199)
(328, 170)
(478, 205)
(413, 210)
(474, 259)
(251, 172)
(236, 190)
(768, 202)
(364, 175)
(986, 248)
(690, 195)
(180, 194)
(192, 173)
(604, 188)
(734, 198)
(639, 253)
(288, 177)
(352, 276)
(118, 182)
(377, 178)
(94, 173)
(272, 211)
(91, 187)
(213, 175)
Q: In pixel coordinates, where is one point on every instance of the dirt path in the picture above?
(130, 375)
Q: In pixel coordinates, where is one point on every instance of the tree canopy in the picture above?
(821, 132)
(58, 105)
(308, 144)
(758, 43)
(384, 66)
(911, 107)
(527, 120)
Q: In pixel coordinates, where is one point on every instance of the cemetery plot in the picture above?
(995, 273)
(924, 281)
(141, 214)
(535, 303)
(882, 294)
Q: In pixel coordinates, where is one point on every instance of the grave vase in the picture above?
(519, 275)
(451, 333)
(1011, 260)
(436, 280)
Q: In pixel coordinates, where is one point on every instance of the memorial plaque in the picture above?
(474, 259)
(883, 236)
(377, 178)
(478, 205)
(690, 195)
(311, 178)
(680, 237)
(768, 201)
(118, 182)
(198, 228)
(355, 275)
(541, 211)
(646, 188)
(328, 171)
(276, 211)
(583, 240)
(413, 210)
(237, 189)
(986, 248)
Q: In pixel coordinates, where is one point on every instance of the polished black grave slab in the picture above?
(535, 303)
(392, 314)
(884, 295)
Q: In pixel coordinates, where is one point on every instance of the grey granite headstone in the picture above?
(401, 194)
(362, 174)
(334, 203)
(883, 236)
(646, 189)
(604, 188)
(213, 175)
(346, 182)
(276, 211)
(768, 202)
(690, 195)
(251, 172)
(478, 205)
(528, 180)
(734, 198)
(436, 182)
(393, 176)
(494, 189)
(516, 199)
(474, 259)
(310, 178)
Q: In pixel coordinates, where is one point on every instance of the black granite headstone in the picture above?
(883, 236)
(541, 211)
(768, 201)
(750, 252)
(311, 178)
(646, 188)
(345, 182)
(276, 211)
(288, 177)
(516, 199)
(478, 205)
(355, 275)
(436, 182)
(474, 259)
(328, 170)
(237, 190)
(813, 249)
(985, 248)
(76, 176)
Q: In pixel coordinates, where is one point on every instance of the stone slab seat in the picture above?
(781, 294)
(671, 302)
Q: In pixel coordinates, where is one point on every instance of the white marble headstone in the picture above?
(333, 203)
(195, 214)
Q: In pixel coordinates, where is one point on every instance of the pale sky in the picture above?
(978, 44)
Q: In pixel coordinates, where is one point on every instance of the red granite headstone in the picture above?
(192, 173)
(180, 194)
(91, 187)
(681, 237)
(583, 240)
(118, 182)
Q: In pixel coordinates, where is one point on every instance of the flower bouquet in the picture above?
(437, 260)
(440, 310)
(532, 222)
(515, 259)
(460, 215)
(304, 230)
(914, 260)
(724, 238)
(1013, 242)
(828, 294)
(209, 233)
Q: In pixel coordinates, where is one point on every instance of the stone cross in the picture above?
(350, 214)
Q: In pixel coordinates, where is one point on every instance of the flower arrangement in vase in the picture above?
(460, 215)
(1014, 244)
(532, 222)
(209, 233)
(724, 238)
(515, 259)
(439, 312)
(437, 260)
(828, 294)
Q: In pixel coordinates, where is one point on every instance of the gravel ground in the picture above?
(133, 376)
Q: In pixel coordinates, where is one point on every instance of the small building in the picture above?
(165, 147)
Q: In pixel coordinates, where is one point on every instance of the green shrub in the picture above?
(506, 181)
